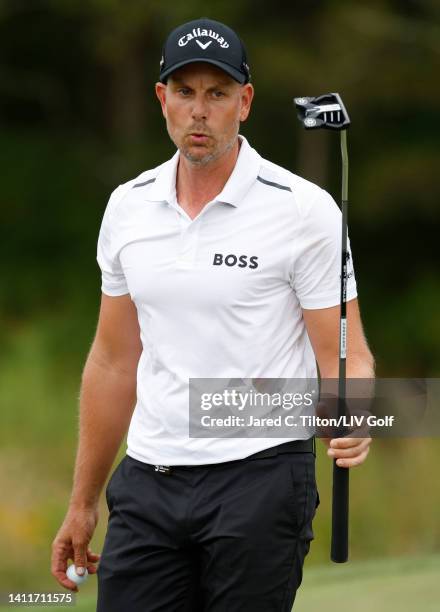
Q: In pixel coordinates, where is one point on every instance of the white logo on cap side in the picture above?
(204, 46)
(198, 32)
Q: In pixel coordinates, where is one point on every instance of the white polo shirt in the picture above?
(220, 296)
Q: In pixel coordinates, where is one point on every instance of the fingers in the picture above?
(80, 555)
(92, 558)
(61, 551)
(343, 443)
(71, 542)
(349, 463)
(349, 452)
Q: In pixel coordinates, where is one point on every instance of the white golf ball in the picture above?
(73, 576)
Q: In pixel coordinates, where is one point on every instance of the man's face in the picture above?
(203, 107)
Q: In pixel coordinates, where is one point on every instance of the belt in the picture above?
(295, 446)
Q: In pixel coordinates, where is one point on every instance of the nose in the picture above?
(200, 109)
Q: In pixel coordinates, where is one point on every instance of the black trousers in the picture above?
(230, 537)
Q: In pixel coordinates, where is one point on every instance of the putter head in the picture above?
(323, 112)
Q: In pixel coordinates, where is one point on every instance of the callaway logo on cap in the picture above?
(205, 40)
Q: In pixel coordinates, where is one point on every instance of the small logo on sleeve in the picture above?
(241, 261)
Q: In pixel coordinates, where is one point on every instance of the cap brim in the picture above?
(233, 72)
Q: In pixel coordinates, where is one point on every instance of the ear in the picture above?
(247, 95)
(161, 91)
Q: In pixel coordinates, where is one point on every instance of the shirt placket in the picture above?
(189, 234)
(189, 238)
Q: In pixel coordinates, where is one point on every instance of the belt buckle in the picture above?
(163, 469)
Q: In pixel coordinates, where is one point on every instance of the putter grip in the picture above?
(339, 545)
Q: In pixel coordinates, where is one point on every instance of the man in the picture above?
(216, 264)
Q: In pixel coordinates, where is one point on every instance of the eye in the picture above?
(218, 94)
(184, 91)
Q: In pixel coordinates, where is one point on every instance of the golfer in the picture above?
(215, 264)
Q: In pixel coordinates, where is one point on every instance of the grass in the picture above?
(383, 585)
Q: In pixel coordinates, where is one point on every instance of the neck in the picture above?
(198, 185)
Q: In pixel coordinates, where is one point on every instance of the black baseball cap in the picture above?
(205, 40)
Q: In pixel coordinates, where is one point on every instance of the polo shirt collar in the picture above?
(243, 176)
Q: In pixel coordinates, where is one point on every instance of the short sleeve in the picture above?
(316, 265)
(113, 280)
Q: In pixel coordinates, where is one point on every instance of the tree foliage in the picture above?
(78, 117)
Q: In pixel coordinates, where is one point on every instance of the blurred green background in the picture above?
(78, 116)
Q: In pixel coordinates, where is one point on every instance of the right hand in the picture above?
(71, 542)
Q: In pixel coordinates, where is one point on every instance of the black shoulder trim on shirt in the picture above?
(262, 180)
(145, 183)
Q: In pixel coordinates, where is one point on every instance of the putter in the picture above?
(328, 112)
